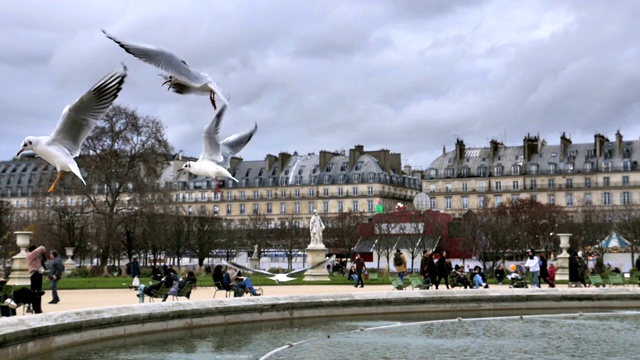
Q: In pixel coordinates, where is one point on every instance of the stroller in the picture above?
(517, 277)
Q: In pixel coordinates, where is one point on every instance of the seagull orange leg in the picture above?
(55, 182)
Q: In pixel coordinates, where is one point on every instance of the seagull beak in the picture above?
(180, 169)
(19, 152)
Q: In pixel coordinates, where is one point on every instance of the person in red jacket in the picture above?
(551, 278)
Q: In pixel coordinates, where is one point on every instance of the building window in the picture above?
(626, 165)
(625, 180)
(229, 195)
(312, 206)
(552, 184)
(325, 192)
(465, 202)
(242, 196)
(588, 200)
(340, 192)
(325, 207)
(448, 172)
(498, 200)
(625, 197)
(269, 208)
(482, 186)
(242, 209)
(481, 203)
(587, 182)
(569, 167)
(482, 171)
(447, 203)
(533, 197)
(569, 183)
(283, 208)
(203, 196)
(354, 191)
(228, 209)
(283, 194)
(533, 184)
(256, 194)
(552, 168)
(269, 194)
(255, 209)
(340, 206)
(465, 172)
(498, 185)
(551, 199)
(297, 193)
(606, 181)
(515, 170)
(569, 199)
(432, 173)
(312, 192)
(355, 206)
(588, 166)
(606, 166)
(448, 187)
(606, 198)
(370, 190)
(498, 170)
(533, 169)
(516, 185)
(296, 207)
(465, 188)
(432, 203)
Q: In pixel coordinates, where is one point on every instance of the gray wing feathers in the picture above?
(232, 145)
(81, 117)
(162, 59)
(211, 137)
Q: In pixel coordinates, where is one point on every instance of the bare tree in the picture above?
(8, 245)
(340, 231)
(290, 238)
(203, 230)
(628, 225)
(123, 158)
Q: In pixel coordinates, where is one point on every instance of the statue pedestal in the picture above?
(315, 255)
(19, 267)
(562, 262)
(69, 264)
(254, 263)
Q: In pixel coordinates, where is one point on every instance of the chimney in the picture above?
(531, 146)
(354, 154)
(407, 170)
(270, 160)
(283, 158)
(460, 150)
(324, 158)
(494, 147)
(565, 142)
(600, 141)
(618, 143)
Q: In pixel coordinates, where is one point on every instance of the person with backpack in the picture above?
(400, 263)
(56, 268)
(443, 266)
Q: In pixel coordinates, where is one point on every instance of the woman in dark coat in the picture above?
(544, 272)
(432, 272)
(574, 276)
(444, 269)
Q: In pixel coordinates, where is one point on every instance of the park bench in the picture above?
(596, 280)
(615, 279)
(397, 284)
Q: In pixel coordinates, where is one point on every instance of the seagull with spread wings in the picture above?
(215, 157)
(278, 278)
(76, 123)
(181, 78)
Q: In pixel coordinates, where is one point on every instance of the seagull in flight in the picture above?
(215, 157)
(76, 123)
(278, 278)
(181, 78)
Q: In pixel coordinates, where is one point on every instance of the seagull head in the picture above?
(27, 144)
(186, 167)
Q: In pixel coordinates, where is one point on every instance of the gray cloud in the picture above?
(409, 76)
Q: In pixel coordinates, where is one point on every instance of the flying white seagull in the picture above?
(215, 157)
(278, 278)
(181, 78)
(76, 123)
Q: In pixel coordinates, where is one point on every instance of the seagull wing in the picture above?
(241, 267)
(321, 263)
(164, 60)
(211, 137)
(81, 117)
(234, 144)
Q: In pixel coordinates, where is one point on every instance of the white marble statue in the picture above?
(316, 227)
(255, 252)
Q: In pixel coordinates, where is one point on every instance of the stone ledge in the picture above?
(29, 335)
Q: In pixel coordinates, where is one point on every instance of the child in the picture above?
(552, 276)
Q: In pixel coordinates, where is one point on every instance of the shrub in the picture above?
(79, 272)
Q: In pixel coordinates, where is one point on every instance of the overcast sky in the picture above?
(408, 76)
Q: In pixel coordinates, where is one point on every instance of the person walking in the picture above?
(360, 267)
(400, 263)
(56, 269)
(533, 264)
(35, 259)
(544, 272)
(424, 269)
(443, 265)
